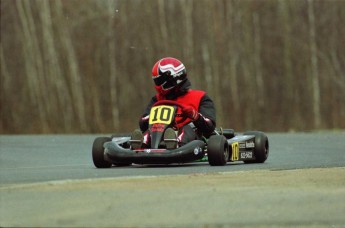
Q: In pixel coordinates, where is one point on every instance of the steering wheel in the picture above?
(169, 102)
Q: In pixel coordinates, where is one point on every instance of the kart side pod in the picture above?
(251, 147)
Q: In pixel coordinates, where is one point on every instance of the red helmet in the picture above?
(167, 73)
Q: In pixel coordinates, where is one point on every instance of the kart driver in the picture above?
(171, 83)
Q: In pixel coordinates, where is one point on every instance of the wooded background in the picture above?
(84, 66)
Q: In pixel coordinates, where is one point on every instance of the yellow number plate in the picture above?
(161, 114)
(235, 151)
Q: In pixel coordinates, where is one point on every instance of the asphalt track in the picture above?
(50, 181)
(39, 158)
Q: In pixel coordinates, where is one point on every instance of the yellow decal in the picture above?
(161, 114)
(235, 151)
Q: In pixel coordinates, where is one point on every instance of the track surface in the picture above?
(39, 158)
(302, 190)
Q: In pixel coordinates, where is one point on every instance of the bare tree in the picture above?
(68, 67)
(112, 67)
(232, 65)
(72, 64)
(314, 65)
(257, 62)
(33, 62)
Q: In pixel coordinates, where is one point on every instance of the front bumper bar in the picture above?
(192, 151)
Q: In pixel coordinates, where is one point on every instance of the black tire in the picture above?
(261, 149)
(98, 152)
(217, 150)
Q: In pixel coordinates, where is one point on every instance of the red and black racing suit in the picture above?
(200, 101)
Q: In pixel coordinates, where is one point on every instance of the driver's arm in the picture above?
(206, 122)
(144, 119)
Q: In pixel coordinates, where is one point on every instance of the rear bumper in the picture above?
(192, 151)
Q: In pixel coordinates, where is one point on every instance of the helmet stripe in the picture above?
(171, 67)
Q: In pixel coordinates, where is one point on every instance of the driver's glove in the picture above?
(144, 123)
(190, 112)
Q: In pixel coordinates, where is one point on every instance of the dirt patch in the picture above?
(252, 198)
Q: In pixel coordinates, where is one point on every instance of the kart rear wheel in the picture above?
(261, 149)
(98, 152)
(217, 150)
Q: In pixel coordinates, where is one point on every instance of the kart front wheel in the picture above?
(98, 152)
(217, 150)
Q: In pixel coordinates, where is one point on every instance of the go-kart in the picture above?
(221, 147)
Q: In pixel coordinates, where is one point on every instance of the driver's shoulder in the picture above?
(197, 92)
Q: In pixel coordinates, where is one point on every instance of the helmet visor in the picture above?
(160, 79)
(169, 84)
(165, 82)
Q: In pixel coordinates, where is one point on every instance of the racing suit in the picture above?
(204, 125)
